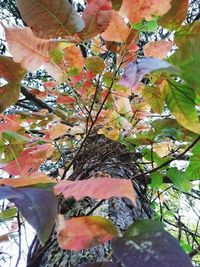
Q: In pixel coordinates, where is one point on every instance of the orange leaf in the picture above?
(57, 130)
(117, 30)
(84, 232)
(96, 17)
(158, 49)
(50, 18)
(73, 57)
(135, 10)
(4, 238)
(22, 181)
(31, 51)
(98, 188)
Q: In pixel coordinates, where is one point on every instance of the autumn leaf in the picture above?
(136, 10)
(180, 101)
(158, 49)
(50, 18)
(135, 70)
(84, 232)
(117, 30)
(24, 181)
(95, 64)
(97, 17)
(9, 95)
(57, 130)
(175, 16)
(28, 201)
(30, 51)
(96, 188)
(13, 73)
(29, 160)
(154, 98)
(4, 238)
(9, 70)
(72, 57)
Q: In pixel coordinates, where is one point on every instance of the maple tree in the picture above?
(93, 121)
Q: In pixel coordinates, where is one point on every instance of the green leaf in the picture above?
(175, 16)
(153, 156)
(187, 57)
(8, 214)
(146, 26)
(193, 170)
(153, 97)
(116, 4)
(179, 179)
(14, 138)
(172, 129)
(180, 101)
(156, 180)
(95, 64)
(56, 55)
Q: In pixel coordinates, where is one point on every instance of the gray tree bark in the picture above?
(99, 157)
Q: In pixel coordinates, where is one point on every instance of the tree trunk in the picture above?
(99, 157)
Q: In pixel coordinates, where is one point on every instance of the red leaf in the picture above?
(84, 232)
(98, 188)
(65, 99)
(29, 160)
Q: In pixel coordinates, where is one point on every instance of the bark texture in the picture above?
(99, 157)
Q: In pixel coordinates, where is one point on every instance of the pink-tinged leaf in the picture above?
(33, 203)
(29, 160)
(50, 18)
(175, 16)
(98, 188)
(97, 17)
(65, 99)
(84, 232)
(9, 123)
(23, 181)
(117, 30)
(158, 49)
(57, 130)
(135, 70)
(135, 10)
(50, 85)
(31, 52)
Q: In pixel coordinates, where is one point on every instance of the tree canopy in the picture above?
(124, 69)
